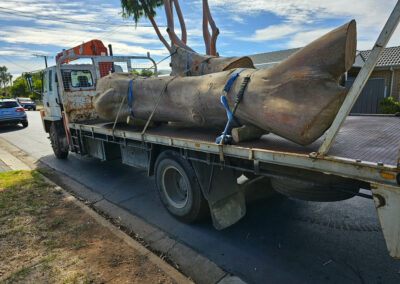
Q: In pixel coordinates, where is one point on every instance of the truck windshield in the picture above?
(81, 79)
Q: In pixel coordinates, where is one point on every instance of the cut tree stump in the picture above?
(246, 133)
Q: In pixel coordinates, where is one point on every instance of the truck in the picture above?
(196, 176)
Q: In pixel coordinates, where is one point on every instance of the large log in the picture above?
(296, 99)
(187, 63)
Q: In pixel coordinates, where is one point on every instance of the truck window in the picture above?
(81, 79)
(50, 80)
(45, 82)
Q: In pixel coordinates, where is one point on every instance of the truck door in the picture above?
(51, 100)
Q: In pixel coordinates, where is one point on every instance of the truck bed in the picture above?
(366, 138)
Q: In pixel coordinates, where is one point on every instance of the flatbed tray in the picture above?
(366, 138)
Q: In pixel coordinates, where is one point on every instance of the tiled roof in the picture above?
(389, 57)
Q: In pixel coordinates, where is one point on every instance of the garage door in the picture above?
(367, 102)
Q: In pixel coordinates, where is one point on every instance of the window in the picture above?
(44, 83)
(81, 79)
(8, 104)
(50, 80)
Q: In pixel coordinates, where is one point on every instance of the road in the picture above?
(279, 241)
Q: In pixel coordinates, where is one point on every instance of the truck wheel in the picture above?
(178, 188)
(58, 140)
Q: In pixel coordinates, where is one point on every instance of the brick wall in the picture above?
(396, 85)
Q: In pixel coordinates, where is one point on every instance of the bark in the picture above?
(214, 29)
(296, 99)
(181, 21)
(206, 33)
(160, 36)
(170, 30)
(204, 64)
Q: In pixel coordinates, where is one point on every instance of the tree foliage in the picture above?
(20, 87)
(140, 8)
(5, 78)
(388, 106)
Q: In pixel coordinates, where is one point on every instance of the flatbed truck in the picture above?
(195, 176)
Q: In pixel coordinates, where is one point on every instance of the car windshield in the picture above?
(25, 100)
(8, 104)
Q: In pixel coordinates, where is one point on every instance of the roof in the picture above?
(262, 60)
(389, 57)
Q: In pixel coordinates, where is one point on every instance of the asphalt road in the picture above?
(279, 241)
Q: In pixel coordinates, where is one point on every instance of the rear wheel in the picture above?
(178, 188)
(58, 140)
(24, 123)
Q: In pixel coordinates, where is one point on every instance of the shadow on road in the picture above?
(279, 239)
(10, 128)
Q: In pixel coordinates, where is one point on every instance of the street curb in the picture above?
(185, 259)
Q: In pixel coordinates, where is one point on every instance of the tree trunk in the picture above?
(170, 30)
(296, 99)
(203, 64)
(181, 21)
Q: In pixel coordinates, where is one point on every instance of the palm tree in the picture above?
(4, 77)
(147, 9)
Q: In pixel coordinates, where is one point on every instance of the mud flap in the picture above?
(224, 195)
(387, 203)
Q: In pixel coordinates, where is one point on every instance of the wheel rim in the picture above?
(175, 187)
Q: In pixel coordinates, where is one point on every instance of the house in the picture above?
(387, 67)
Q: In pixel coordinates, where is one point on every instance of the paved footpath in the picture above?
(280, 240)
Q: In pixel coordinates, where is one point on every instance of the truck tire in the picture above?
(178, 188)
(320, 192)
(58, 140)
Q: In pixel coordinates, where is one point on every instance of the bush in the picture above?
(388, 106)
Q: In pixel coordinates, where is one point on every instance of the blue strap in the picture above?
(188, 63)
(224, 137)
(232, 79)
(130, 98)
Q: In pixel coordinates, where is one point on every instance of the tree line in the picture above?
(19, 87)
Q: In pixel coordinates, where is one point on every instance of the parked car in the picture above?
(27, 103)
(12, 113)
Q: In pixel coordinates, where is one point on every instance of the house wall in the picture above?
(387, 74)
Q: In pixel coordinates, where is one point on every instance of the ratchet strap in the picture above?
(224, 138)
(130, 98)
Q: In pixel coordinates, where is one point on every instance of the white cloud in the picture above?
(303, 38)
(273, 32)
(370, 15)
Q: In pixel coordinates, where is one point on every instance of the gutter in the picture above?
(391, 81)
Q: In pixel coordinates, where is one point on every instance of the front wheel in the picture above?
(58, 140)
(178, 188)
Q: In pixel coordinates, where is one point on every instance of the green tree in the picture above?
(20, 87)
(147, 8)
(146, 73)
(5, 78)
(135, 72)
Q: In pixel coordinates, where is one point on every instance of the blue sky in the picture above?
(246, 27)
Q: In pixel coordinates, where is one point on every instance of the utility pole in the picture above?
(44, 56)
